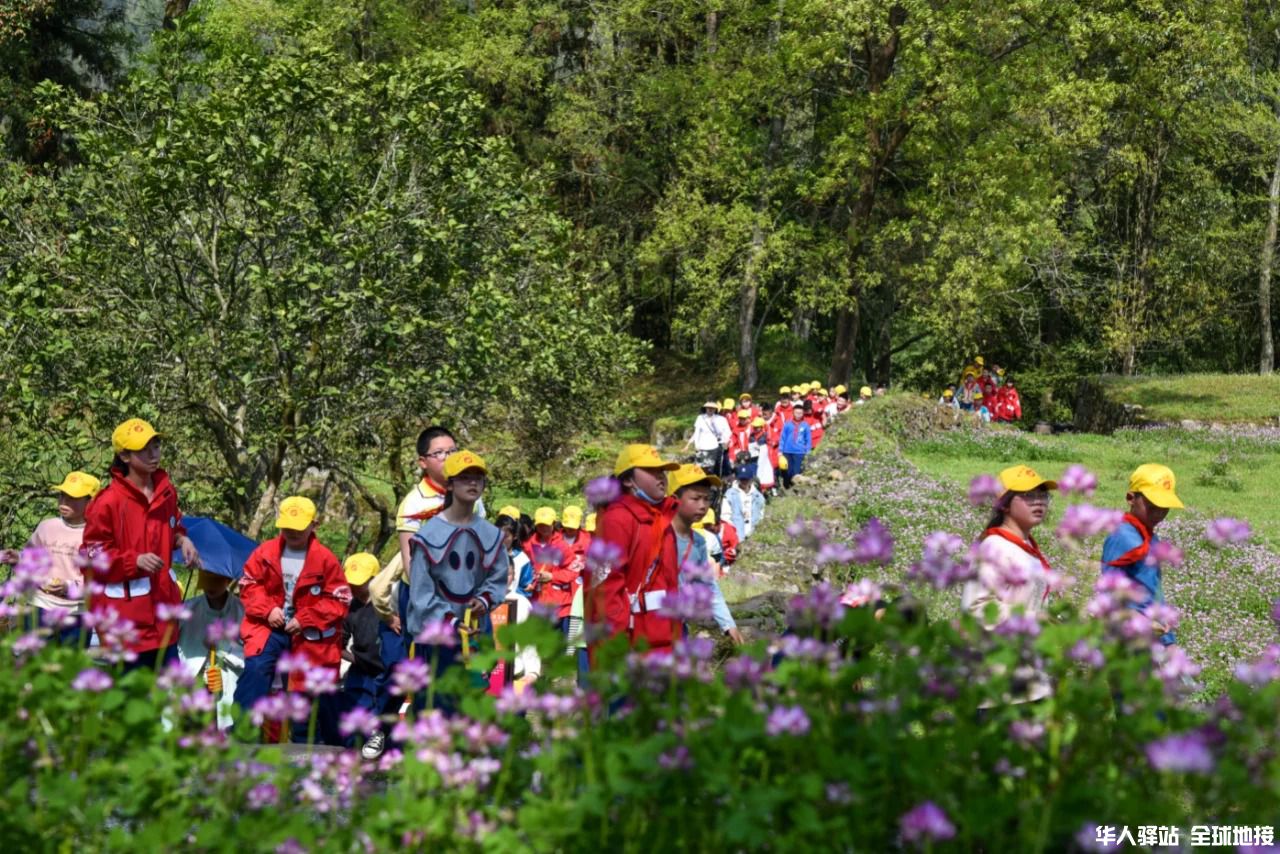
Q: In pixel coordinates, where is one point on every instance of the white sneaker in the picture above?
(374, 746)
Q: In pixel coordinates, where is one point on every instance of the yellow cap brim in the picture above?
(1166, 499)
(360, 577)
(1029, 484)
(292, 523)
(74, 491)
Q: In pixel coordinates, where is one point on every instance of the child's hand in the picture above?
(293, 626)
(190, 556)
(275, 619)
(395, 623)
(56, 586)
(479, 607)
(149, 562)
(8, 555)
(544, 576)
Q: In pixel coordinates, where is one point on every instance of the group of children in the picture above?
(986, 392)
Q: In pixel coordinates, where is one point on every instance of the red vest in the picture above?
(321, 597)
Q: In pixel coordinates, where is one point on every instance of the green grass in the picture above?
(1224, 398)
(1219, 473)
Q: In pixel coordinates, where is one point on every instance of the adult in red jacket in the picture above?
(626, 599)
(131, 528)
(1012, 401)
(295, 597)
(553, 570)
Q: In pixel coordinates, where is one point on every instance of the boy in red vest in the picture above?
(553, 565)
(295, 597)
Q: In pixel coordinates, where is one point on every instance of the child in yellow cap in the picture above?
(1151, 496)
(59, 603)
(363, 685)
(209, 642)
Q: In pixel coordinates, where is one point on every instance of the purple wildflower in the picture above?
(697, 572)
(1165, 554)
(280, 707)
(1086, 654)
(602, 490)
(1081, 521)
(221, 630)
(602, 558)
(175, 677)
(1019, 624)
(319, 680)
(790, 720)
(819, 608)
(834, 553)
(839, 793)
(873, 544)
(550, 556)
(1186, 753)
(676, 759)
(262, 796)
(862, 592)
(1227, 531)
(28, 644)
(30, 573)
(410, 676)
(1026, 732)
(438, 633)
(691, 603)
(292, 662)
(91, 680)
(291, 846)
(743, 672)
(1078, 480)
(1173, 666)
(358, 720)
(178, 612)
(938, 565)
(1262, 671)
(984, 490)
(925, 822)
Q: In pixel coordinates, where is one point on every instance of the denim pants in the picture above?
(260, 670)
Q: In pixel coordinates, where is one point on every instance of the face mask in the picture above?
(639, 493)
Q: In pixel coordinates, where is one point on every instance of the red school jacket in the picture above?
(648, 565)
(320, 601)
(558, 592)
(122, 523)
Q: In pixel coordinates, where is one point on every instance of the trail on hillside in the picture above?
(860, 472)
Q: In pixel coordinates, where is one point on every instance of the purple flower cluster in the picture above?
(358, 720)
(281, 707)
(873, 544)
(115, 634)
(1078, 480)
(1081, 521)
(1226, 531)
(410, 676)
(438, 633)
(820, 608)
(984, 490)
(860, 593)
(787, 720)
(1182, 753)
(30, 574)
(602, 490)
(690, 603)
(91, 680)
(178, 612)
(744, 672)
(925, 822)
(938, 565)
(602, 558)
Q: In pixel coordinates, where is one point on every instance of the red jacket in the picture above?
(815, 427)
(320, 601)
(728, 541)
(739, 441)
(557, 592)
(122, 523)
(643, 532)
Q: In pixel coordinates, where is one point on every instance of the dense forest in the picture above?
(288, 228)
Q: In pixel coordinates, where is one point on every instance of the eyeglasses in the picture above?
(1040, 496)
(441, 454)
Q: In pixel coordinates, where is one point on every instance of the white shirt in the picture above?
(291, 561)
(705, 437)
(195, 655)
(994, 555)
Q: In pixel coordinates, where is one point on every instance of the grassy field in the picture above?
(1228, 472)
(1222, 398)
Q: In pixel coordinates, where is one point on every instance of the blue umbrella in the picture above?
(223, 550)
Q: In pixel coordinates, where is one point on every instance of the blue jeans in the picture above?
(795, 466)
(260, 670)
(361, 691)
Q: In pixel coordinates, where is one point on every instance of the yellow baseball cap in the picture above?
(786, 389)
(77, 484)
(744, 413)
(544, 516)
(865, 391)
(571, 517)
(132, 435)
(840, 389)
(706, 521)
(746, 395)
(590, 525)
(296, 513)
(728, 403)
(711, 404)
(458, 462)
(510, 510)
(977, 395)
(946, 392)
(822, 391)
(360, 568)
(815, 384)
(642, 457)
(758, 422)
(687, 475)
(1024, 479)
(978, 360)
(1156, 483)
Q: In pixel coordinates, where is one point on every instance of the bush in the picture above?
(873, 729)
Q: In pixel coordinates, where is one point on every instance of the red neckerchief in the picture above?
(1137, 553)
(1028, 545)
(431, 489)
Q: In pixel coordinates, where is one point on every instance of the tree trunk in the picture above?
(174, 9)
(748, 369)
(846, 344)
(1266, 363)
(713, 31)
